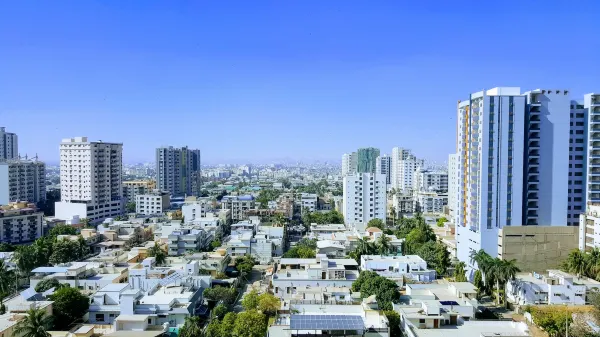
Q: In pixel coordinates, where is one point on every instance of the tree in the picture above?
(436, 255)
(376, 223)
(64, 251)
(441, 221)
(63, 230)
(268, 304)
(363, 247)
(217, 294)
(370, 283)
(7, 279)
(576, 263)
(130, 207)
(250, 324)
(47, 284)
(393, 322)
(192, 327)
(7, 247)
(306, 242)
(215, 244)
(459, 272)
(244, 264)
(219, 311)
(85, 222)
(478, 283)
(69, 307)
(228, 324)
(383, 244)
(158, 253)
(300, 253)
(250, 300)
(35, 324)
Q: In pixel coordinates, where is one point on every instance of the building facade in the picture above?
(364, 197)
(520, 161)
(134, 187)
(20, 222)
(238, 205)
(384, 166)
(366, 160)
(349, 163)
(22, 180)
(178, 170)
(592, 186)
(9, 145)
(403, 166)
(90, 180)
(426, 180)
(152, 203)
(453, 185)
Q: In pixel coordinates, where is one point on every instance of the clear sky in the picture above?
(254, 81)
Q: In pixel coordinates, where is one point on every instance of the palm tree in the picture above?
(158, 254)
(576, 262)
(459, 272)
(35, 324)
(383, 244)
(508, 270)
(6, 279)
(592, 263)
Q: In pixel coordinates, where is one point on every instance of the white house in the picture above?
(397, 268)
(557, 287)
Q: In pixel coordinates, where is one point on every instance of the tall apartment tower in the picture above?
(383, 165)
(366, 159)
(91, 178)
(514, 164)
(348, 163)
(178, 170)
(453, 184)
(9, 145)
(591, 103)
(364, 198)
(22, 180)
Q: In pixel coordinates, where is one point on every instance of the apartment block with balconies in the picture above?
(22, 180)
(20, 222)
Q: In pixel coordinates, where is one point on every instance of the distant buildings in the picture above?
(453, 182)
(398, 268)
(20, 222)
(364, 160)
(22, 180)
(178, 170)
(427, 180)
(155, 202)
(364, 197)
(349, 163)
(90, 180)
(403, 166)
(9, 145)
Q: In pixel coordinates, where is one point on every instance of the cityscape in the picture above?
(293, 169)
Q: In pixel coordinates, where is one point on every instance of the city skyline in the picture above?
(185, 76)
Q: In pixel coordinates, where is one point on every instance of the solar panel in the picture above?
(448, 303)
(28, 293)
(326, 322)
(49, 291)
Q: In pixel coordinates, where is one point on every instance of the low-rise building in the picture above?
(403, 204)
(238, 205)
(239, 243)
(188, 240)
(307, 202)
(398, 268)
(555, 287)
(589, 228)
(430, 202)
(317, 272)
(196, 208)
(155, 202)
(86, 276)
(20, 222)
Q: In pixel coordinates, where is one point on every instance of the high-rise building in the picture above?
(591, 102)
(178, 171)
(366, 159)
(384, 166)
(22, 180)
(403, 166)
(364, 198)
(9, 145)
(91, 177)
(348, 163)
(453, 184)
(513, 163)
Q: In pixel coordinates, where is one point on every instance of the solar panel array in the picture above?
(326, 322)
(28, 293)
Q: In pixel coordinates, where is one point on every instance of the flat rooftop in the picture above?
(477, 329)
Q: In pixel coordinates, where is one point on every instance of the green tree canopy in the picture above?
(370, 283)
(300, 252)
(441, 221)
(130, 207)
(459, 272)
(331, 217)
(219, 311)
(7, 247)
(62, 230)
(217, 294)
(376, 223)
(244, 264)
(158, 253)
(66, 250)
(7, 280)
(192, 327)
(268, 304)
(250, 324)
(69, 307)
(250, 300)
(436, 255)
(47, 284)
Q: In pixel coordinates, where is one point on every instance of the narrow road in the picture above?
(256, 275)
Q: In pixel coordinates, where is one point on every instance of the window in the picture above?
(149, 320)
(99, 317)
(421, 320)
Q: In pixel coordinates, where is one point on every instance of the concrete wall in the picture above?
(537, 248)
(4, 194)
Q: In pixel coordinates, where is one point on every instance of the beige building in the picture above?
(20, 222)
(132, 188)
(537, 248)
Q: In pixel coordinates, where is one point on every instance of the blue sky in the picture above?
(255, 81)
